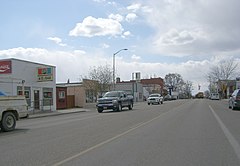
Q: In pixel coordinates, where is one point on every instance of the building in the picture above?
(36, 81)
(75, 94)
(226, 87)
(132, 87)
(61, 95)
(153, 85)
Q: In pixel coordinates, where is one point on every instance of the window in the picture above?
(61, 94)
(47, 96)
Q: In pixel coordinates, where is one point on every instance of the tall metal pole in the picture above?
(114, 71)
(114, 55)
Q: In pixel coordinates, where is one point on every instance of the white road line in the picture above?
(235, 145)
(107, 141)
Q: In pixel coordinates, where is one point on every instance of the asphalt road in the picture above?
(196, 132)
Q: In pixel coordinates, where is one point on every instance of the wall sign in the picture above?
(45, 74)
(5, 67)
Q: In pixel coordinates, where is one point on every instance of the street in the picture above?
(182, 132)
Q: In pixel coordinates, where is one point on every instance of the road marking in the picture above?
(235, 145)
(108, 141)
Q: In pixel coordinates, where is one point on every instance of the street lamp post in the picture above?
(114, 65)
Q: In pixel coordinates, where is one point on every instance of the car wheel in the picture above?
(130, 106)
(148, 103)
(100, 110)
(229, 106)
(119, 108)
(8, 122)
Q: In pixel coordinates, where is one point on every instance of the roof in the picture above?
(27, 61)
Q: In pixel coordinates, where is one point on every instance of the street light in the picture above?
(114, 65)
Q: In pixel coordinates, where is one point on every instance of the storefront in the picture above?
(37, 81)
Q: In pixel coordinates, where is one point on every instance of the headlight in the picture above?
(115, 101)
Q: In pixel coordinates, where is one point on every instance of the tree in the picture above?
(103, 77)
(224, 70)
(173, 80)
(220, 74)
(176, 83)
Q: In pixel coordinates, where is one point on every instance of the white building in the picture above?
(38, 80)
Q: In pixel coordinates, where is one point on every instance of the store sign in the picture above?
(45, 74)
(5, 67)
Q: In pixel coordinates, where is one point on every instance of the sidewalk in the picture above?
(88, 107)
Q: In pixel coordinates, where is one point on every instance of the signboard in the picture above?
(5, 67)
(45, 74)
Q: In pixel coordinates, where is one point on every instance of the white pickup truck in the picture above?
(12, 108)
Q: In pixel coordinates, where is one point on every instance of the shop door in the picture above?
(36, 100)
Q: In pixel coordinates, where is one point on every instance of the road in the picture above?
(183, 132)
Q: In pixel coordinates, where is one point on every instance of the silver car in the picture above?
(234, 100)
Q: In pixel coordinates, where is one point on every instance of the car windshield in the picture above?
(155, 95)
(112, 94)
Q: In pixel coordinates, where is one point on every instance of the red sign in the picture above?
(5, 67)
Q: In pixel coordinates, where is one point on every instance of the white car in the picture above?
(155, 98)
(214, 96)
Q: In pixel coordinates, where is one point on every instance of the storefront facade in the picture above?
(37, 80)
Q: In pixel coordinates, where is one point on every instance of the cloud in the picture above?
(117, 17)
(135, 57)
(57, 40)
(174, 37)
(104, 45)
(91, 27)
(134, 7)
(200, 26)
(131, 17)
(73, 64)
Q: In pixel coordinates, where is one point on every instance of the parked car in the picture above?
(155, 99)
(234, 100)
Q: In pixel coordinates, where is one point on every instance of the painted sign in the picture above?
(45, 74)
(5, 67)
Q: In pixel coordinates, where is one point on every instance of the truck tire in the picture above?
(100, 110)
(119, 108)
(130, 106)
(8, 121)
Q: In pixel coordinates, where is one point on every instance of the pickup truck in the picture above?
(115, 100)
(12, 108)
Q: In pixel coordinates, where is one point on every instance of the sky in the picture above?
(162, 37)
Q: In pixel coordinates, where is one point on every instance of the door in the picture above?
(36, 99)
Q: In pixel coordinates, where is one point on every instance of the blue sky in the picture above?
(162, 37)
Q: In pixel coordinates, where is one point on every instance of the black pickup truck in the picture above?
(115, 100)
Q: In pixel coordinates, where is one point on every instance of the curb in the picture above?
(53, 114)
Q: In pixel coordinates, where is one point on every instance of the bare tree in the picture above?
(173, 80)
(103, 76)
(224, 70)
(221, 74)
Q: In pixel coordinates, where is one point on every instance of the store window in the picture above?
(47, 96)
(27, 93)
